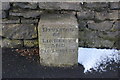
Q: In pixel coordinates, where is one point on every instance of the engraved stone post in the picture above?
(58, 40)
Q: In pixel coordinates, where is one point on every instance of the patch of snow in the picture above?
(91, 58)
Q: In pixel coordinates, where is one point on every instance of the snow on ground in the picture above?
(91, 58)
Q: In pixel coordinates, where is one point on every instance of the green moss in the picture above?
(11, 43)
(31, 43)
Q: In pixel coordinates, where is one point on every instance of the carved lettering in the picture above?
(52, 29)
(58, 40)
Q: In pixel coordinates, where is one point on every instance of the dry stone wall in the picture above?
(99, 22)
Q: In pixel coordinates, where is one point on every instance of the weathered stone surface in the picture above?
(30, 5)
(19, 31)
(87, 34)
(3, 14)
(116, 26)
(11, 20)
(84, 37)
(107, 15)
(31, 43)
(88, 14)
(82, 25)
(67, 12)
(102, 26)
(109, 35)
(28, 21)
(60, 5)
(101, 43)
(114, 14)
(96, 5)
(32, 14)
(0, 41)
(5, 5)
(88, 38)
(117, 43)
(25, 14)
(7, 43)
(114, 5)
(58, 34)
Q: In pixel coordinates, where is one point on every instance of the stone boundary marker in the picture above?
(58, 35)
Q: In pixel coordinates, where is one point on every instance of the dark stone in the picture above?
(101, 15)
(11, 20)
(19, 31)
(117, 43)
(114, 5)
(88, 14)
(5, 5)
(82, 25)
(32, 14)
(30, 5)
(0, 41)
(16, 12)
(101, 43)
(88, 38)
(7, 43)
(109, 35)
(60, 5)
(102, 26)
(28, 21)
(116, 26)
(96, 5)
(88, 34)
(114, 14)
(105, 15)
(3, 14)
(25, 14)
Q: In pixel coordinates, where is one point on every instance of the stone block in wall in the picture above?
(66, 12)
(114, 5)
(7, 43)
(3, 14)
(0, 41)
(107, 15)
(29, 21)
(89, 38)
(117, 43)
(82, 25)
(88, 14)
(31, 43)
(108, 35)
(116, 26)
(19, 31)
(25, 5)
(96, 5)
(11, 20)
(88, 34)
(114, 14)
(102, 26)
(60, 5)
(5, 5)
(25, 13)
(101, 43)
